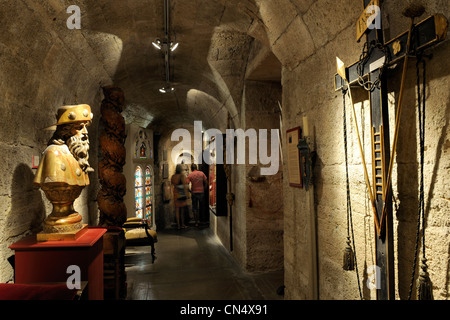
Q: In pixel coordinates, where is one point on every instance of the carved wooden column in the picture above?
(113, 212)
(113, 183)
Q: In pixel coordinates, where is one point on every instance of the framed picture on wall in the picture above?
(294, 169)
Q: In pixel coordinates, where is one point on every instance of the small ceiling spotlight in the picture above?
(173, 46)
(157, 44)
(167, 89)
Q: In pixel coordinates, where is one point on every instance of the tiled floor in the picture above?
(192, 264)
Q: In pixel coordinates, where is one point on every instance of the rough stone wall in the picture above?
(308, 90)
(43, 65)
(257, 212)
(263, 207)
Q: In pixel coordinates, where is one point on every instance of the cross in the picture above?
(369, 73)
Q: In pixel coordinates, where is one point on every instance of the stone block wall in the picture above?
(43, 65)
(308, 90)
(263, 209)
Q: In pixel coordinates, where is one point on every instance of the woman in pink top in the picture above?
(198, 181)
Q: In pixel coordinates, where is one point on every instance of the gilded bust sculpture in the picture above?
(64, 167)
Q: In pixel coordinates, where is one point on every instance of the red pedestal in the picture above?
(41, 262)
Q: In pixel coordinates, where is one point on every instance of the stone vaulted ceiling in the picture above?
(206, 70)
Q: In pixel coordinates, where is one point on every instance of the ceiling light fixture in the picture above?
(166, 46)
(173, 46)
(157, 44)
(167, 89)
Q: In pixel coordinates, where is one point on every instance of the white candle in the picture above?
(305, 127)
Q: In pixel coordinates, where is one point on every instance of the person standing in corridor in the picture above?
(180, 193)
(198, 182)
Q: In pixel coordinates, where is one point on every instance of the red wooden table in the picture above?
(40, 262)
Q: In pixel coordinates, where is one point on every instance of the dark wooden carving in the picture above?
(113, 182)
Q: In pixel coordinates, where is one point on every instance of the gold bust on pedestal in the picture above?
(63, 171)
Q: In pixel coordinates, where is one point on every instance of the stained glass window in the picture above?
(148, 194)
(138, 192)
(148, 213)
(143, 193)
(148, 177)
(138, 177)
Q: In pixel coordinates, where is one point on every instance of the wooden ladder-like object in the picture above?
(378, 165)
